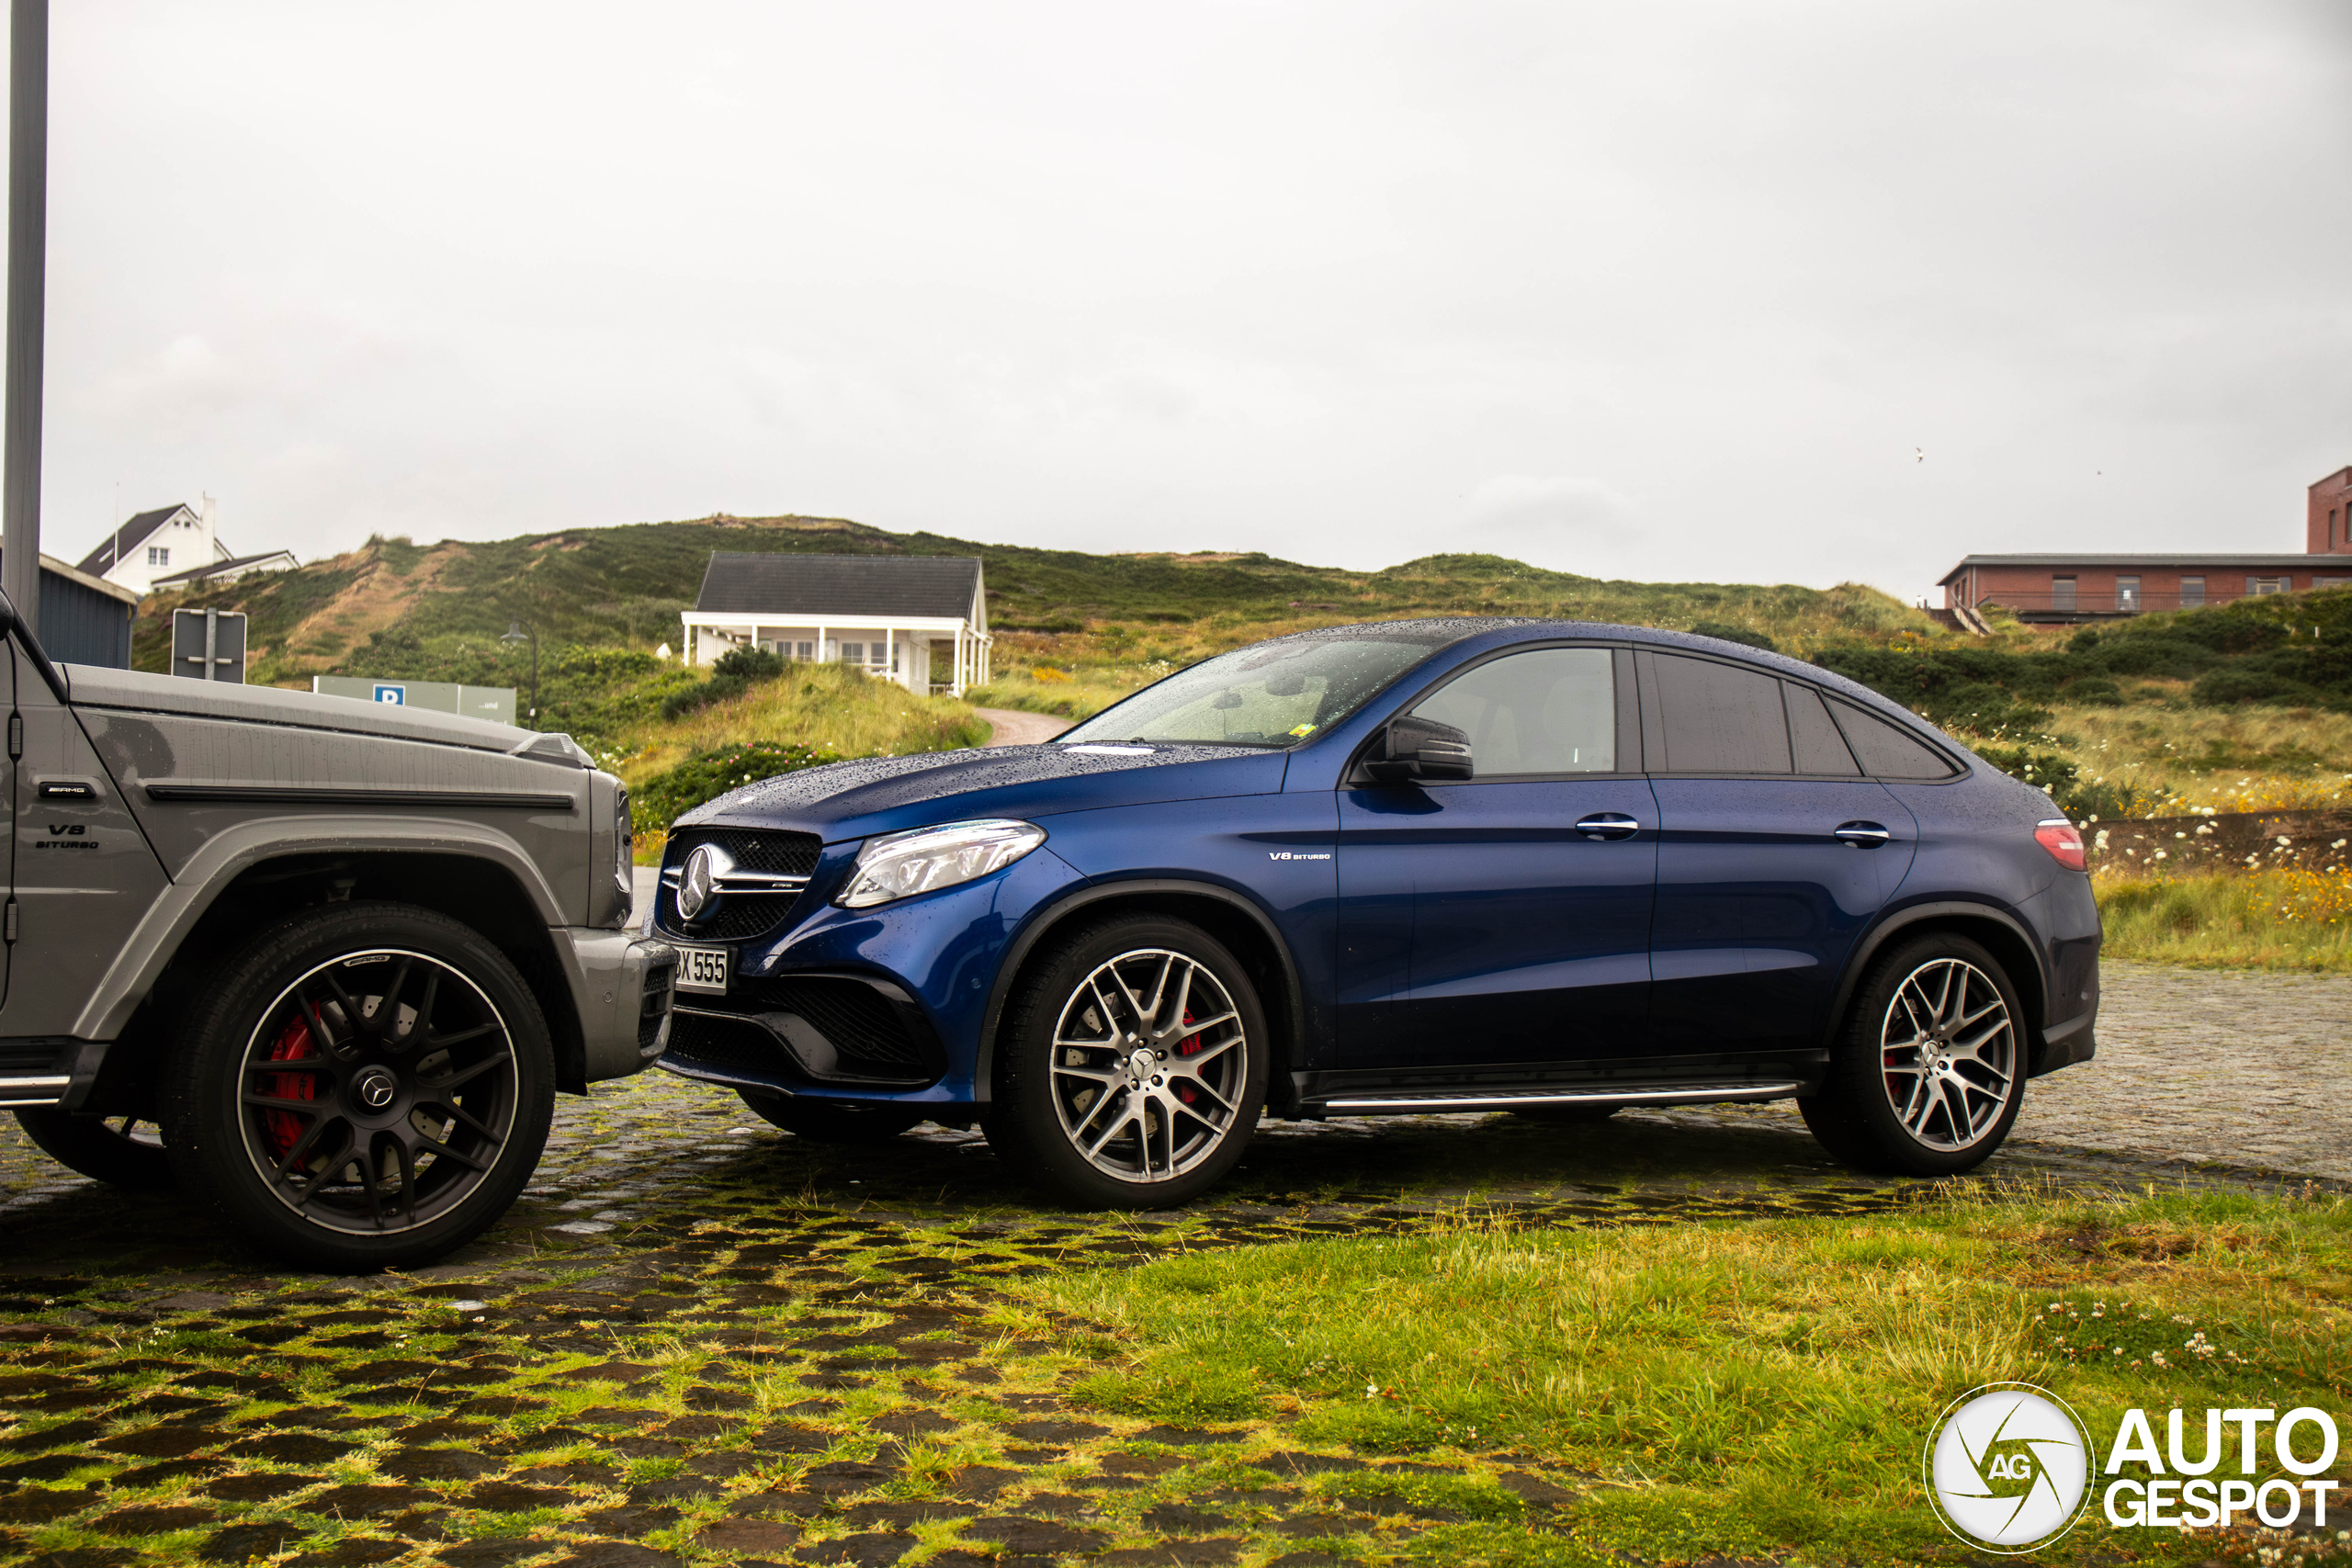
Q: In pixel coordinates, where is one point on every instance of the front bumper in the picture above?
(621, 987)
(873, 1005)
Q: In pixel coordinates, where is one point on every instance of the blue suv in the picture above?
(1442, 865)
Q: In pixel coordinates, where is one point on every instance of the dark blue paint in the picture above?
(1451, 926)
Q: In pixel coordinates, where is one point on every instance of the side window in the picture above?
(1819, 747)
(1550, 711)
(1720, 718)
(1885, 751)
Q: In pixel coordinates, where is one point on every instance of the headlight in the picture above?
(898, 865)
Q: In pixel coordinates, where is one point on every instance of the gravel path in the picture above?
(1014, 727)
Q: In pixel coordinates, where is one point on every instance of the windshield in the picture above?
(1276, 693)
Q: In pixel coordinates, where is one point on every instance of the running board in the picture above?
(45, 1090)
(1504, 1099)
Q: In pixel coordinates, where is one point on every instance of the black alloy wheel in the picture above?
(367, 1085)
(831, 1121)
(1929, 1068)
(122, 1151)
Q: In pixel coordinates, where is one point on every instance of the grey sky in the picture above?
(1661, 291)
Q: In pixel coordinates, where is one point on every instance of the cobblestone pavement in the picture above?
(1010, 727)
(2196, 1066)
(697, 1340)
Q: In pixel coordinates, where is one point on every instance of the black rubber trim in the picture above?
(2065, 1045)
(1052, 915)
(1911, 915)
(296, 794)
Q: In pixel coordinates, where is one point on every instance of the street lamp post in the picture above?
(516, 632)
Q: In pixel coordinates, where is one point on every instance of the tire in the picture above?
(286, 1050)
(831, 1121)
(1928, 1071)
(1131, 1065)
(122, 1151)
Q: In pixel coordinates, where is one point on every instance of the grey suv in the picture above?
(321, 962)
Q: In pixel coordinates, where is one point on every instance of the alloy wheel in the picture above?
(1948, 1053)
(1150, 1056)
(376, 1091)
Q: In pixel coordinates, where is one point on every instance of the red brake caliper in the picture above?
(284, 1127)
(1188, 1046)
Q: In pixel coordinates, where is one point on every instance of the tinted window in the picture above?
(1550, 711)
(1720, 718)
(1818, 747)
(1885, 751)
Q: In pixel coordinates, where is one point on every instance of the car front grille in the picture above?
(740, 916)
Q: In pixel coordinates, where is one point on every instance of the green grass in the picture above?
(2293, 918)
(1745, 1388)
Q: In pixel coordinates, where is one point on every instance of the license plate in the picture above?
(704, 969)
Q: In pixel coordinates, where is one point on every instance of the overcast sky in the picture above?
(1659, 291)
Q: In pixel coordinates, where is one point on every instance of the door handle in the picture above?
(1860, 835)
(1603, 825)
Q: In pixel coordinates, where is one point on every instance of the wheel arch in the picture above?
(478, 892)
(2002, 934)
(1235, 920)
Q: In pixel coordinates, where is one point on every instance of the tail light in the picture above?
(2063, 841)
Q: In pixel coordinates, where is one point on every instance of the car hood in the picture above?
(883, 795)
(135, 690)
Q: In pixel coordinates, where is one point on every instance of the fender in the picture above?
(1900, 921)
(184, 901)
(1046, 917)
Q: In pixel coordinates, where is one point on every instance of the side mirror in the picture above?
(1420, 748)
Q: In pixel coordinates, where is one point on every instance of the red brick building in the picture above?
(2329, 530)
(2081, 586)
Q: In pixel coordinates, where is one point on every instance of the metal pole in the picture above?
(212, 644)
(28, 255)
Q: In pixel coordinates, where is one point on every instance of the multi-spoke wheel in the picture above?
(1132, 1064)
(1930, 1069)
(126, 1151)
(368, 1085)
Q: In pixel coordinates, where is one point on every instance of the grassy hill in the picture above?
(2238, 704)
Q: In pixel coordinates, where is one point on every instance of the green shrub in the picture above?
(738, 670)
(1727, 632)
(706, 775)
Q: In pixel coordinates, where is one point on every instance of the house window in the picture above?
(2192, 592)
(2127, 595)
(159, 554)
(2261, 585)
(808, 650)
(2061, 594)
(852, 653)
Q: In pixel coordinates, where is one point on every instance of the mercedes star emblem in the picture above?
(699, 884)
(376, 1088)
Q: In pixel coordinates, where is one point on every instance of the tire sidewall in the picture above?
(202, 1123)
(1025, 1123)
(1860, 1069)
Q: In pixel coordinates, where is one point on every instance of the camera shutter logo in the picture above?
(2009, 1467)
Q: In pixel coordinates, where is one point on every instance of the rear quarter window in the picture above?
(1886, 752)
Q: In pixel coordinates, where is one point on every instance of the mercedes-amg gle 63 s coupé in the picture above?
(1412, 867)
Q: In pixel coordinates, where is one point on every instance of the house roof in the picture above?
(215, 567)
(133, 532)
(2257, 563)
(861, 587)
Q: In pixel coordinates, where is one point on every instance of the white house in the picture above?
(174, 547)
(884, 613)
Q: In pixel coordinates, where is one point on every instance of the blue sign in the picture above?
(396, 696)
